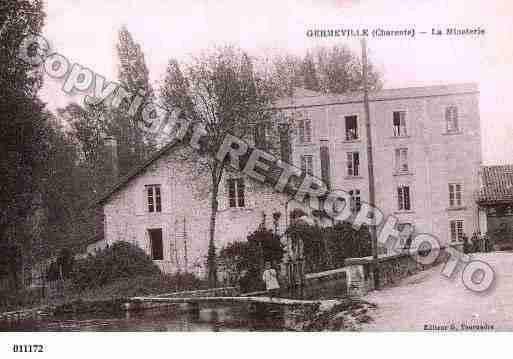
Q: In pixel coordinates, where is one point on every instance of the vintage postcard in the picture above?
(228, 166)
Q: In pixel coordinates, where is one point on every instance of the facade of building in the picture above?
(427, 155)
(426, 151)
(163, 207)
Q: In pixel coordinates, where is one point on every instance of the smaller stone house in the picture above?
(163, 207)
(495, 201)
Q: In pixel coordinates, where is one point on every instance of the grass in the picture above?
(123, 288)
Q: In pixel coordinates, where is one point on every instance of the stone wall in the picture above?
(328, 284)
(392, 268)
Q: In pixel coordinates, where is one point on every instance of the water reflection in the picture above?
(170, 318)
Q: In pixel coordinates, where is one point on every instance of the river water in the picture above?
(171, 318)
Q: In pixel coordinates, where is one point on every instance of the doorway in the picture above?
(157, 247)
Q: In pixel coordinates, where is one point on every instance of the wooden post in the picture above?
(370, 164)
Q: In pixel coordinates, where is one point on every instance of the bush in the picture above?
(24, 298)
(327, 248)
(243, 262)
(122, 260)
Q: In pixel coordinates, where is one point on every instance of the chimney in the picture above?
(111, 159)
(325, 163)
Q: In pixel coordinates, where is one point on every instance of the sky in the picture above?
(85, 31)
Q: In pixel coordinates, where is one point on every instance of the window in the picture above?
(351, 128)
(451, 118)
(157, 248)
(399, 123)
(456, 230)
(356, 203)
(154, 198)
(401, 160)
(236, 192)
(307, 164)
(305, 131)
(455, 190)
(403, 198)
(353, 164)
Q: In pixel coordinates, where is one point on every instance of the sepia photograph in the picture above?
(338, 166)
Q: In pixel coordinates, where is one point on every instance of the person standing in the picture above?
(270, 278)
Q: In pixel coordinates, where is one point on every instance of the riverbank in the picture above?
(334, 315)
(330, 315)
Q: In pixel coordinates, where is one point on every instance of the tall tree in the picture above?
(309, 73)
(88, 127)
(65, 192)
(340, 71)
(134, 144)
(329, 70)
(221, 91)
(92, 123)
(287, 73)
(21, 120)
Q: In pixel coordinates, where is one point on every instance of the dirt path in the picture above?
(428, 298)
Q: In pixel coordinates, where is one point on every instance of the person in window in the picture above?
(270, 278)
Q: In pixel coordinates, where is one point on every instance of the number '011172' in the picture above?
(28, 348)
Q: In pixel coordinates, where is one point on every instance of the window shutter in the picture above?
(303, 164)
(255, 136)
(285, 143)
(324, 155)
(451, 117)
(396, 123)
(231, 192)
(150, 199)
(301, 131)
(158, 199)
(308, 131)
(404, 159)
(406, 194)
(400, 198)
(458, 194)
(356, 158)
(460, 229)
(448, 118)
(455, 118)
(397, 159)
(349, 163)
(397, 118)
(403, 123)
(241, 192)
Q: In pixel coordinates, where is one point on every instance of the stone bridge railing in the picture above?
(201, 293)
(392, 268)
(212, 292)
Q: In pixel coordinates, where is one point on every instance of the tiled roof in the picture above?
(497, 184)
